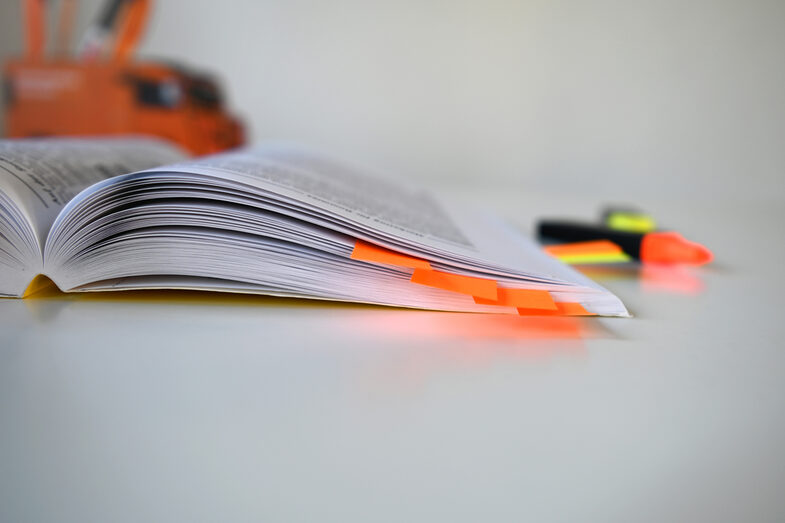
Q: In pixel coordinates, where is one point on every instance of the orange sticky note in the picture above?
(583, 248)
(524, 298)
(457, 283)
(562, 309)
(372, 253)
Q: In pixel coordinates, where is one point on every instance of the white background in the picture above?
(677, 96)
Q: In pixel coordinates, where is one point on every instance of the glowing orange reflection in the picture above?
(412, 348)
(677, 279)
(468, 326)
(674, 279)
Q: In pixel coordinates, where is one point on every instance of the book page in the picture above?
(335, 186)
(401, 216)
(366, 205)
(285, 221)
(43, 175)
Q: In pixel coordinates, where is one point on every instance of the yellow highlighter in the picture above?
(628, 219)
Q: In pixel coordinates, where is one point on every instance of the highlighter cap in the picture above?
(629, 220)
(672, 247)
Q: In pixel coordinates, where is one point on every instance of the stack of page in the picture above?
(115, 214)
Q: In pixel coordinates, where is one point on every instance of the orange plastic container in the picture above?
(56, 97)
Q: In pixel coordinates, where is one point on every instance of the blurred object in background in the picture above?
(626, 218)
(622, 233)
(105, 92)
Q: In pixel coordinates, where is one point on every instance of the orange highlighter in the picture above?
(651, 247)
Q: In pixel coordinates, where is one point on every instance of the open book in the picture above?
(113, 214)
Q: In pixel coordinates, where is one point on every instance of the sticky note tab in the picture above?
(573, 309)
(372, 253)
(630, 221)
(612, 257)
(527, 298)
(562, 309)
(479, 287)
(583, 248)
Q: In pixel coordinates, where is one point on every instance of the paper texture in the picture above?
(44, 175)
(277, 220)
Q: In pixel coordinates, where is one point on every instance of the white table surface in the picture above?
(194, 407)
